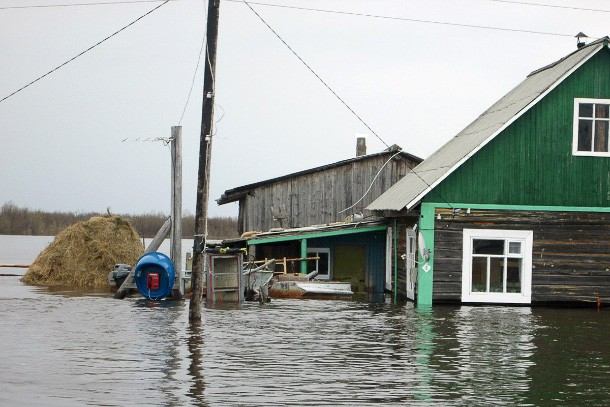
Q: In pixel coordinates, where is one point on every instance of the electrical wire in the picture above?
(413, 20)
(337, 96)
(203, 43)
(315, 74)
(100, 3)
(523, 3)
(85, 51)
(372, 182)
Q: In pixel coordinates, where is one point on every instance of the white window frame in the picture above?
(411, 264)
(313, 252)
(575, 151)
(526, 238)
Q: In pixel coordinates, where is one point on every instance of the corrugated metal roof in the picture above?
(407, 192)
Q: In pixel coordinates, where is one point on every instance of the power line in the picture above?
(523, 3)
(413, 20)
(337, 96)
(315, 74)
(85, 51)
(100, 3)
(203, 43)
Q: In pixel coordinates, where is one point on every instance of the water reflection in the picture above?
(195, 343)
(69, 348)
(424, 347)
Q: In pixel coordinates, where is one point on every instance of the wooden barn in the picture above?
(516, 207)
(318, 213)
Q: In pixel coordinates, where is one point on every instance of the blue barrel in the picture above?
(154, 274)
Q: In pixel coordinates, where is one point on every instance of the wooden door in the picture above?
(349, 265)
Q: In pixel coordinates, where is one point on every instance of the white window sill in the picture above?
(500, 298)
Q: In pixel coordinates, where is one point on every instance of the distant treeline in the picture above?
(22, 221)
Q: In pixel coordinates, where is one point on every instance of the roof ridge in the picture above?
(544, 68)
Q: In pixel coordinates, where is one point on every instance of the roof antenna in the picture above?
(580, 42)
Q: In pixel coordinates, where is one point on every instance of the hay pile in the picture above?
(83, 254)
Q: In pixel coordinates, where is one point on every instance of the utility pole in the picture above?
(176, 211)
(205, 153)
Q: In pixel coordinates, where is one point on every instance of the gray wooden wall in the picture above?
(318, 198)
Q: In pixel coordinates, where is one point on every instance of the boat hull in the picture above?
(310, 289)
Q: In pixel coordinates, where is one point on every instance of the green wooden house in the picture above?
(516, 207)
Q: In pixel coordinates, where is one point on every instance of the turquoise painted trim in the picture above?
(425, 279)
(520, 207)
(303, 255)
(395, 235)
(314, 235)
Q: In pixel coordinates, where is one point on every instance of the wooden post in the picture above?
(176, 211)
(205, 153)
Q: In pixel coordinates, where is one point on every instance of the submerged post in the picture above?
(205, 153)
(176, 211)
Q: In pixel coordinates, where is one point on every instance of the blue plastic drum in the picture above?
(154, 274)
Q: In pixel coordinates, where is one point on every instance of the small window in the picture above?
(497, 266)
(591, 127)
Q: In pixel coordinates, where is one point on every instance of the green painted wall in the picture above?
(531, 162)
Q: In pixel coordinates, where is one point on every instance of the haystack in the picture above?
(84, 253)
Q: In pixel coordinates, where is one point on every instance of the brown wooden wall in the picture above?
(317, 198)
(570, 259)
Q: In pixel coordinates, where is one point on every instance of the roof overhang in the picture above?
(418, 199)
(416, 180)
(314, 232)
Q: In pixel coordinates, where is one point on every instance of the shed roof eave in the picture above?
(234, 194)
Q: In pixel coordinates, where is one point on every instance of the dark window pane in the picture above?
(487, 246)
(323, 263)
(585, 110)
(514, 247)
(479, 274)
(601, 111)
(496, 273)
(601, 136)
(311, 264)
(585, 131)
(513, 276)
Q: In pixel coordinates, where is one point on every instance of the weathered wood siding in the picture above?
(571, 252)
(318, 198)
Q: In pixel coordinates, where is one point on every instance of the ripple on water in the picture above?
(64, 347)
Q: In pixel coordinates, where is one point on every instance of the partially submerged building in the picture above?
(318, 213)
(516, 207)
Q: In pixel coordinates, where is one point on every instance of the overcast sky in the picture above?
(416, 84)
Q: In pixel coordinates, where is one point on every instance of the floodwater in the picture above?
(62, 348)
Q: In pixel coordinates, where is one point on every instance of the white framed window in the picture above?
(497, 266)
(322, 264)
(591, 127)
